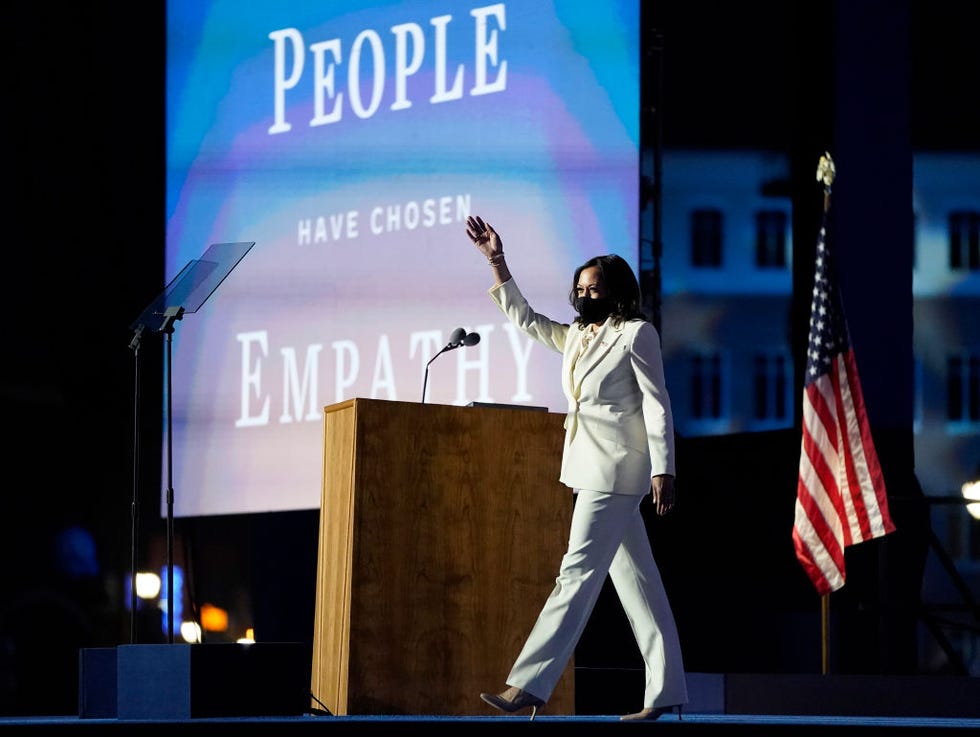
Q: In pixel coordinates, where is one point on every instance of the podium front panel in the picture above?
(441, 532)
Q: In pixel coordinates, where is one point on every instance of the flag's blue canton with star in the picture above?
(828, 330)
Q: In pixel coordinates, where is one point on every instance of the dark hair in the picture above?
(621, 286)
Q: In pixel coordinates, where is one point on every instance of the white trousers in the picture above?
(607, 536)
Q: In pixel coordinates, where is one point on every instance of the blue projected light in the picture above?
(178, 599)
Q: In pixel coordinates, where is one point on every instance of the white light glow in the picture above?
(147, 585)
(190, 631)
(971, 491)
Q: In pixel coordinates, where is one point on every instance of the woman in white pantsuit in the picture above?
(619, 445)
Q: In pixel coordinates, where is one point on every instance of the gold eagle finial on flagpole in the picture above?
(825, 174)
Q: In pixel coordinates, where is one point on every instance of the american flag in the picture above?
(840, 495)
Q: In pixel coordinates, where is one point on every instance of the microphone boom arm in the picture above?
(458, 339)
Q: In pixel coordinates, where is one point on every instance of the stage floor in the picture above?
(724, 705)
(719, 725)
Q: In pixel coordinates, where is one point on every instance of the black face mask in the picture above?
(593, 310)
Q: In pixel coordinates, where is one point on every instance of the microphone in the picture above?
(457, 339)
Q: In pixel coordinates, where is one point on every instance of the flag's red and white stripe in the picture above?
(840, 493)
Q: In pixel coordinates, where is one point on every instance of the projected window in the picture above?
(706, 240)
(964, 241)
(771, 379)
(962, 535)
(770, 239)
(963, 389)
(707, 383)
(918, 397)
(915, 239)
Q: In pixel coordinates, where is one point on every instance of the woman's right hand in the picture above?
(484, 237)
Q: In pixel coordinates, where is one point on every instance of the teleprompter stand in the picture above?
(185, 294)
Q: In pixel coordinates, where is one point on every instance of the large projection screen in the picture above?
(350, 141)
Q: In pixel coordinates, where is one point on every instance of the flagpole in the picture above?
(825, 634)
(825, 174)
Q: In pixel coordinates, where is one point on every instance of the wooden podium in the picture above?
(441, 532)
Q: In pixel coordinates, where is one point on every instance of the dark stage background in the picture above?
(85, 256)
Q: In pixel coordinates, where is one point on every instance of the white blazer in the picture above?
(619, 431)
